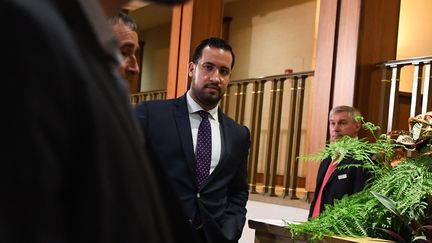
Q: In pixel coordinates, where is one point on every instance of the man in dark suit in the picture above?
(214, 197)
(73, 168)
(332, 182)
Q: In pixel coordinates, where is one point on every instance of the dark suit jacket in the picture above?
(221, 201)
(342, 182)
(73, 168)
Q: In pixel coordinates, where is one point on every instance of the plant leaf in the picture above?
(387, 202)
(428, 227)
(394, 235)
(420, 238)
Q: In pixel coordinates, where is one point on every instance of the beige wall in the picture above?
(267, 38)
(271, 36)
(155, 63)
(415, 35)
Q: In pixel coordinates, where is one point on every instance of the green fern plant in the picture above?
(376, 156)
(394, 205)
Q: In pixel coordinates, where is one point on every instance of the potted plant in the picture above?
(396, 202)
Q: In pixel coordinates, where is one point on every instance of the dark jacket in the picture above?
(342, 182)
(220, 203)
(73, 167)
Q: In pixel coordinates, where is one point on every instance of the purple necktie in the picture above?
(203, 148)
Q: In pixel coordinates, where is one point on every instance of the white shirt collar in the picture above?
(101, 27)
(193, 107)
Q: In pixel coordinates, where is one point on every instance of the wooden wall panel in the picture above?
(353, 37)
(321, 88)
(192, 22)
(377, 44)
(346, 53)
(181, 26)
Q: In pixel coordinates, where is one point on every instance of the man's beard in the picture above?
(206, 98)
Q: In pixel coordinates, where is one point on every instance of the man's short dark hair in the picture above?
(125, 19)
(214, 42)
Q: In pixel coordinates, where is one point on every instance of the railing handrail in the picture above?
(149, 92)
(277, 76)
(244, 101)
(415, 60)
(391, 77)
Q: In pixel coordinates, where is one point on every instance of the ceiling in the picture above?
(149, 15)
(135, 4)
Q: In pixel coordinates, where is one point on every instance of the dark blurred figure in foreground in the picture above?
(73, 168)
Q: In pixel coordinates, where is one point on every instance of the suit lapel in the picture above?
(325, 164)
(181, 116)
(225, 146)
(337, 170)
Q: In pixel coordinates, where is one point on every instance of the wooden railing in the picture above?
(272, 108)
(421, 100)
(265, 105)
(148, 95)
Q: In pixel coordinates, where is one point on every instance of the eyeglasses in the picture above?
(210, 68)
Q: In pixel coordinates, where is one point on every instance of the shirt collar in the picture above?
(100, 25)
(194, 107)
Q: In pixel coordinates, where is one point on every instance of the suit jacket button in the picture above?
(198, 195)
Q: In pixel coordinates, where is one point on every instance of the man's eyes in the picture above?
(338, 123)
(210, 68)
(127, 52)
(224, 71)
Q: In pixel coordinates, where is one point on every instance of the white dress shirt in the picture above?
(195, 120)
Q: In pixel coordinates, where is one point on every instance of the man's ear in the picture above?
(191, 69)
(358, 125)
